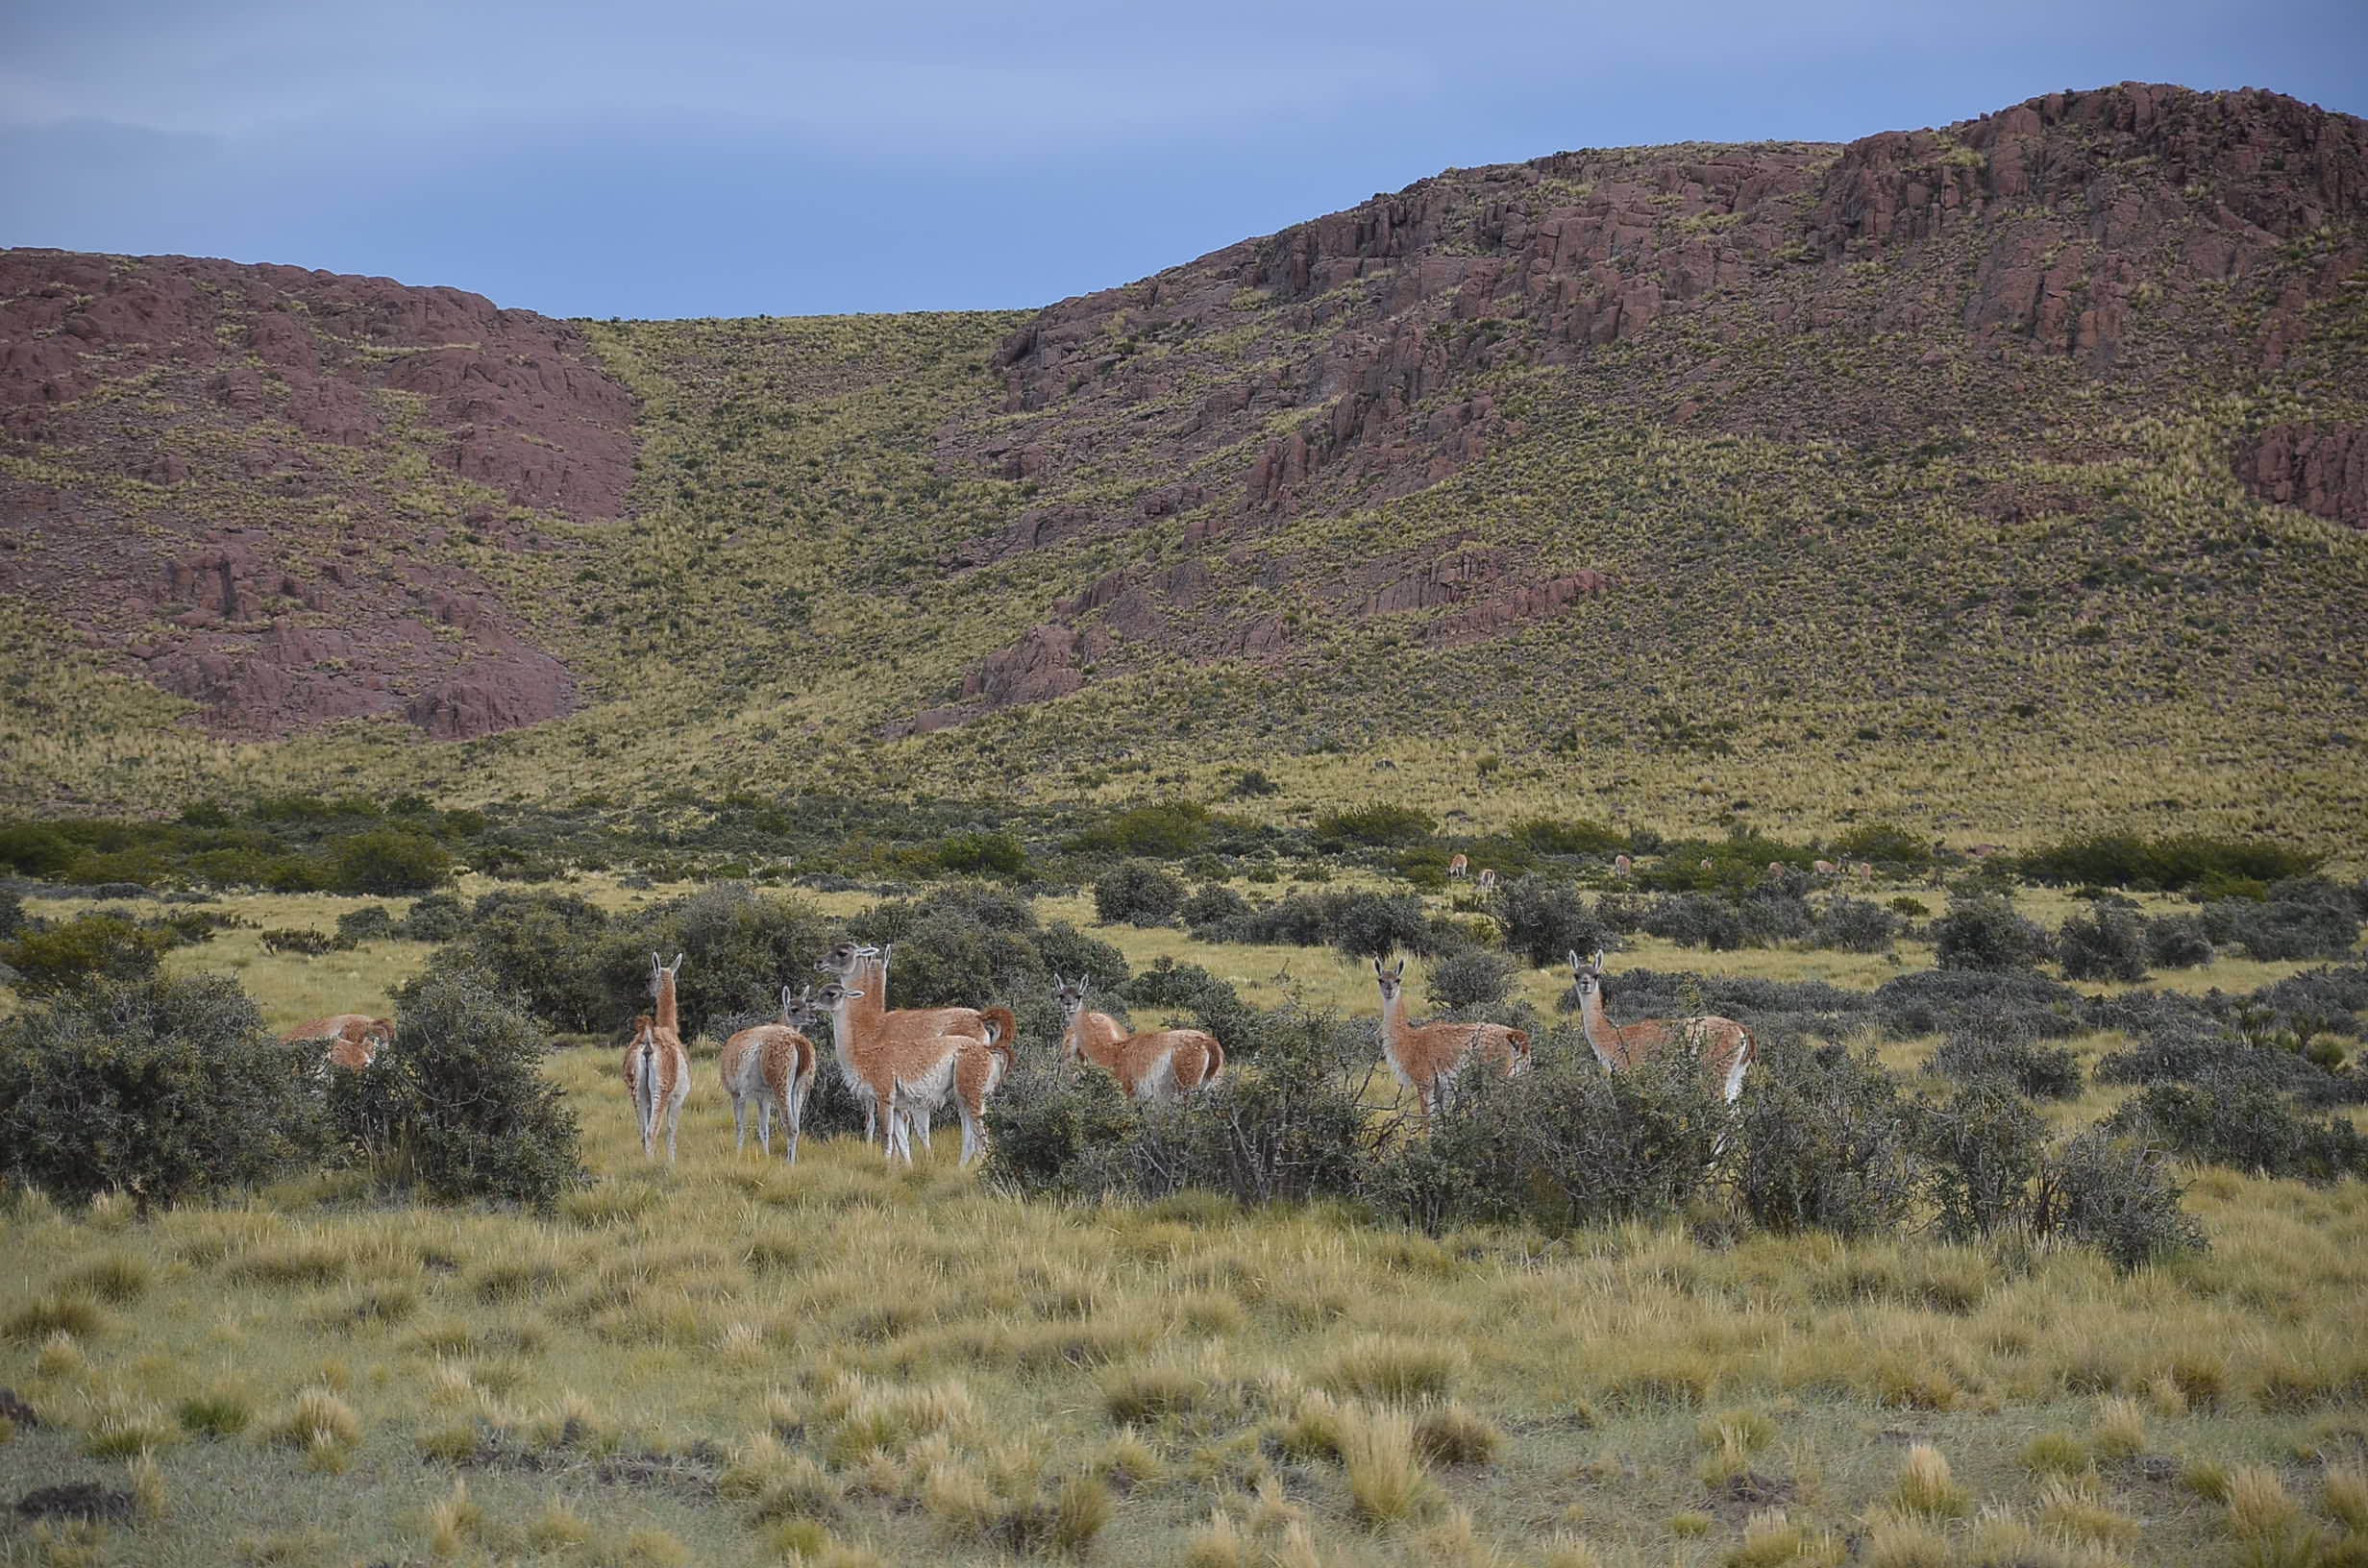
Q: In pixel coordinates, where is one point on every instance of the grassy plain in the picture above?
(736, 1362)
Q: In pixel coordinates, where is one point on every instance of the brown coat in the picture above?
(354, 1039)
(1158, 1064)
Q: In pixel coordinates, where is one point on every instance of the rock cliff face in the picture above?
(1351, 359)
(245, 478)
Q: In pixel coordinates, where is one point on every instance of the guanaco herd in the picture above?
(904, 1065)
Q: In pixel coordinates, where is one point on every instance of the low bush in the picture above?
(388, 860)
(1470, 982)
(2225, 1119)
(1982, 931)
(1564, 1144)
(1857, 925)
(2117, 1195)
(1211, 906)
(2107, 944)
(2127, 860)
(743, 947)
(372, 922)
(1375, 925)
(434, 916)
(1936, 1001)
(457, 1104)
(983, 854)
(1381, 825)
(159, 1088)
(1137, 892)
(2177, 941)
(2042, 1072)
(545, 948)
(2302, 918)
(91, 951)
(1982, 1149)
(1165, 830)
(1821, 1141)
(1205, 1002)
(1543, 920)
(1698, 919)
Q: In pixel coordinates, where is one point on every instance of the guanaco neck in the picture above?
(667, 1018)
(1393, 1021)
(1096, 1035)
(1601, 1036)
(871, 975)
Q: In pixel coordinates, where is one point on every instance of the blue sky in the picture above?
(705, 158)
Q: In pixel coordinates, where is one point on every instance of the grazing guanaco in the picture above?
(1487, 880)
(354, 1040)
(1825, 868)
(1155, 1065)
(1726, 1046)
(1427, 1057)
(1622, 867)
(771, 1067)
(1459, 867)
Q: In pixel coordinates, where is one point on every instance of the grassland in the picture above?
(734, 1361)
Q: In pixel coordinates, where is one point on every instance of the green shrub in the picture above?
(1206, 1001)
(1698, 919)
(2116, 1195)
(159, 1088)
(35, 850)
(1473, 981)
(1380, 825)
(1375, 925)
(435, 917)
(1137, 892)
(2307, 918)
(1982, 931)
(1982, 1151)
(1562, 1145)
(388, 860)
(2121, 860)
(457, 1104)
(89, 951)
(1856, 925)
(1047, 1119)
(1213, 905)
(372, 922)
(1883, 844)
(2108, 943)
(1543, 921)
(545, 948)
(2225, 1119)
(1164, 830)
(984, 854)
(2177, 941)
(1822, 1140)
(741, 945)
(12, 914)
(1545, 836)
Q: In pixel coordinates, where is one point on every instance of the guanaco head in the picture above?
(1069, 995)
(1392, 979)
(831, 993)
(1587, 976)
(841, 961)
(803, 1009)
(383, 1031)
(661, 972)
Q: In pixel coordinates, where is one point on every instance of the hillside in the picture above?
(1993, 479)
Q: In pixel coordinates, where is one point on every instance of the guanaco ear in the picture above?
(1574, 959)
(784, 998)
(850, 996)
(678, 964)
(1598, 963)
(1057, 979)
(1377, 968)
(1398, 970)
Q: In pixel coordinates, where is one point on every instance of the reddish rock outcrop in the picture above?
(253, 383)
(2322, 470)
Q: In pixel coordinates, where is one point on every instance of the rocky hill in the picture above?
(1946, 473)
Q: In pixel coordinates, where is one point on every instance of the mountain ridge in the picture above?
(1940, 433)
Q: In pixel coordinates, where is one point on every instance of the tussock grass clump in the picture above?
(558, 1529)
(121, 1427)
(864, 1416)
(1774, 1541)
(2075, 1506)
(220, 1411)
(1386, 1479)
(1126, 1460)
(1379, 1366)
(57, 1313)
(1218, 1544)
(1452, 1434)
(1904, 1540)
(61, 1357)
(111, 1276)
(2344, 1490)
(454, 1522)
(149, 1497)
(1147, 1393)
(2056, 1454)
(1926, 1487)
(2120, 1429)
(318, 1418)
(2269, 1526)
